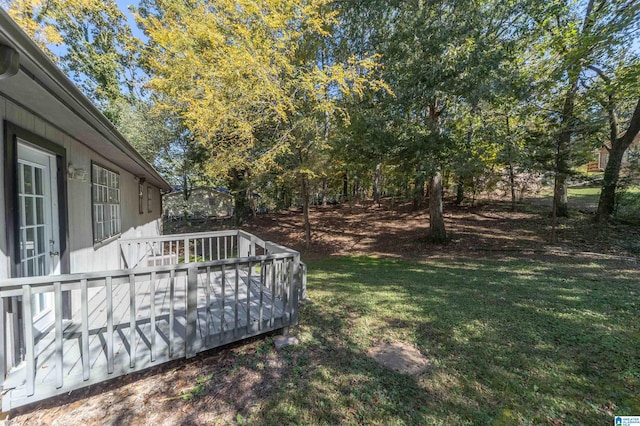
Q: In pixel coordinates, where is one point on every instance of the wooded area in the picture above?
(317, 101)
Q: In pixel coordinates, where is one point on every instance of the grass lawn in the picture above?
(509, 341)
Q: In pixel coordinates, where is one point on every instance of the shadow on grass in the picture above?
(510, 341)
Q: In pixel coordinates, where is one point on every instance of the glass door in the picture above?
(38, 207)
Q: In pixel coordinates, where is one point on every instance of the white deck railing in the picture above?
(176, 296)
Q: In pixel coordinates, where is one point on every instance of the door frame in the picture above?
(12, 344)
(11, 135)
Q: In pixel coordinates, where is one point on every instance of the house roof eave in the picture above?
(59, 91)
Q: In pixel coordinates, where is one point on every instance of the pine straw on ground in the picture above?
(226, 385)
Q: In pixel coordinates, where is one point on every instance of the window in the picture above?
(149, 199)
(106, 203)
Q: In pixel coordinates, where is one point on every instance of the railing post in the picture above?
(295, 284)
(59, 345)
(243, 246)
(29, 340)
(132, 320)
(109, 296)
(303, 281)
(192, 311)
(3, 347)
(84, 296)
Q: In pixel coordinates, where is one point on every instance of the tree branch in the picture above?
(614, 126)
(634, 127)
(600, 73)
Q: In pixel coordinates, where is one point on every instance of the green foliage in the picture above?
(291, 99)
(96, 44)
(199, 390)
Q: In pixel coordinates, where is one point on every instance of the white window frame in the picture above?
(105, 203)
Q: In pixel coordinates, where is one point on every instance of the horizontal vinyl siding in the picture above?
(84, 256)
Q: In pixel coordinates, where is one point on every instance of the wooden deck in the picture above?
(138, 318)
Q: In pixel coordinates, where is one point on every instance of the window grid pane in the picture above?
(106, 203)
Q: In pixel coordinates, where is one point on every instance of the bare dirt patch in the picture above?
(400, 357)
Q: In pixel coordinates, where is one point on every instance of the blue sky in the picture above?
(124, 7)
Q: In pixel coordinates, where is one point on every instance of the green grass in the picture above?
(512, 341)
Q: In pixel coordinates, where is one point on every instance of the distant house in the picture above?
(203, 202)
(603, 153)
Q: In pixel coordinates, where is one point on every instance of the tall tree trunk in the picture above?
(324, 192)
(345, 186)
(564, 150)
(418, 189)
(305, 211)
(568, 122)
(186, 194)
(512, 178)
(606, 203)
(607, 200)
(460, 192)
(512, 185)
(376, 184)
(437, 232)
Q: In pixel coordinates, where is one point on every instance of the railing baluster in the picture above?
(109, 288)
(296, 280)
(210, 249)
(222, 308)
(172, 291)
(152, 307)
(237, 302)
(85, 329)
(249, 297)
(225, 248)
(29, 340)
(207, 311)
(3, 324)
(273, 291)
(187, 257)
(132, 320)
(285, 293)
(192, 310)
(218, 248)
(291, 284)
(262, 282)
(57, 289)
(233, 246)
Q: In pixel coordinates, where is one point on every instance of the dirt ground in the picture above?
(233, 386)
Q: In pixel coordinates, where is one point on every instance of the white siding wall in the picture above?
(84, 257)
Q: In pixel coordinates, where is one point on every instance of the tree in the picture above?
(578, 36)
(437, 55)
(619, 144)
(93, 45)
(250, 81)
